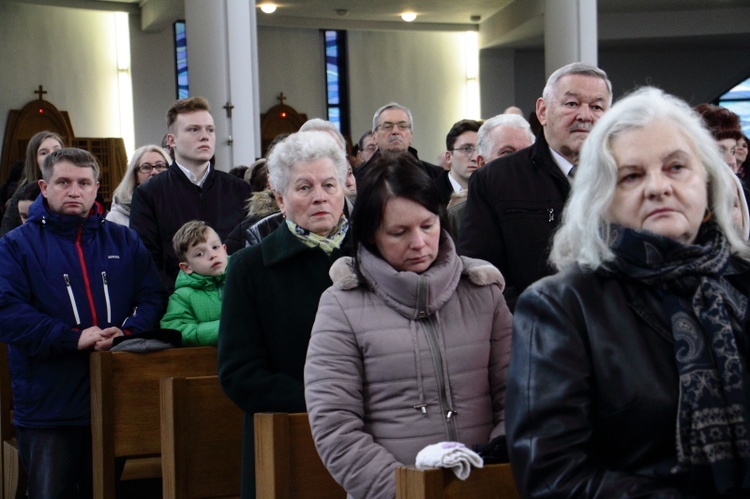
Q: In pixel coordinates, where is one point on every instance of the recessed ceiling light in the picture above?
(268, 8)
(408, 16)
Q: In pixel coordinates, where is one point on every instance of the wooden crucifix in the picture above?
(40, 92)
(229, 106)
(281, 98)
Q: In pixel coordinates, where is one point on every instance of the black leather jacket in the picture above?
(591, 405)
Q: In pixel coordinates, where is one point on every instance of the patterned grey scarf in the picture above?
(706, 312)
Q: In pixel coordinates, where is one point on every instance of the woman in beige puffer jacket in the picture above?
(410, 345)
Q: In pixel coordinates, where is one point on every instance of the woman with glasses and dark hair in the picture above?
(146, 162)
(410, 345)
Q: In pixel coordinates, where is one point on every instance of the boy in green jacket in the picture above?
(194, 308)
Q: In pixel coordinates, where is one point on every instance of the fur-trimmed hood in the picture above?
(261, 204)
(409, 293)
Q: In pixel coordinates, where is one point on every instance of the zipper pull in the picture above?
(551, 212)
(450, 413)
(421, 407)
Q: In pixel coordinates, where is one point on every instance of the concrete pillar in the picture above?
(222, 48)
(570, 33)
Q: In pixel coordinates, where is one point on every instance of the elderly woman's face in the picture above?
(314, 198)
(409, 235)
(661, 184)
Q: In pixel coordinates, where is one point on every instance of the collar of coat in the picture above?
(479, 272)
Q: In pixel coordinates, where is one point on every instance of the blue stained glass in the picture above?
(181, 62)
(334, 116)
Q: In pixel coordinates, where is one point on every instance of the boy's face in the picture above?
(208, 258)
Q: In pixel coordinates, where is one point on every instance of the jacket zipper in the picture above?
(106, 298)
(86, 281)
(550, 212)
(72, 298)
(432, 338)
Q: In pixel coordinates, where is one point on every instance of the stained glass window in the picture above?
(180, 57)
(337, 92)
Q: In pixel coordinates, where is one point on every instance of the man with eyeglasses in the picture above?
(461, 156)
(191, 189)
(392, 127)
(498, 136)
(515, 202)
(367, 147)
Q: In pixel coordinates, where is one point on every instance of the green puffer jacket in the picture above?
(194, 308)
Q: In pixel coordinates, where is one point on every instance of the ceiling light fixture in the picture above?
(268, 8)
(408, 16)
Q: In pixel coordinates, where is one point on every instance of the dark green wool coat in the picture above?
(270, 300)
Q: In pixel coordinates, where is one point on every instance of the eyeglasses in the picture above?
(148, 167)
(465, 150)
(371, 148)
(388, 126)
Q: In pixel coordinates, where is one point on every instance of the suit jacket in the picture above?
(515, 204)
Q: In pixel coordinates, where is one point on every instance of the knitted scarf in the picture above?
(706, 312)
(312, 240)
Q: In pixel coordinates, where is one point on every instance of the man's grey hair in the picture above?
(585, 231)
(78, 157)
(392, 105)
(484, 136)
(575, 68)
(323, 126)
(304, 147)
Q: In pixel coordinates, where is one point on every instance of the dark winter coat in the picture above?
(270, 301)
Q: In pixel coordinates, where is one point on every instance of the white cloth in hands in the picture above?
(453, 455)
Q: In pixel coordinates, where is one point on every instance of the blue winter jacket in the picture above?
(60, 274)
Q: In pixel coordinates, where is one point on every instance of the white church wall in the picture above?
(425, 71)
(69, 51)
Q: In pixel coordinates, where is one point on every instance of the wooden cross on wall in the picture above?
(281, 97)
(40, 92)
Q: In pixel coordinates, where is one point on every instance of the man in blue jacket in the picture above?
(70, 282)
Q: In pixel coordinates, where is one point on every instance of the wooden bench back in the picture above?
(494, 481)
(287, 465)
(13, 479)
(125, 408)
(201, 439)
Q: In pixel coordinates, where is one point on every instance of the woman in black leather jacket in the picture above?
(628, 373)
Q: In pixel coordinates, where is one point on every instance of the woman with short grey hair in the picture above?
(273, 288)
(629, 367)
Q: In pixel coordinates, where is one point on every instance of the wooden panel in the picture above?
(287, 465)
(112, 158)
(201, 439)
(13, 479)
(494, 481)
(125, 408)
(36, 116)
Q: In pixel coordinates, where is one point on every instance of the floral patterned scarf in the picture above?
(327, 244)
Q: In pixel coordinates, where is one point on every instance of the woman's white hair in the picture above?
(303, 147)
(584, 234)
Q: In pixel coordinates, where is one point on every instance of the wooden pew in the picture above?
(125, 408)
(201, 439)
(287, 465)
(494, 481)
(13, 481)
